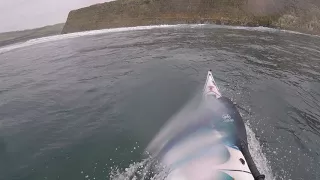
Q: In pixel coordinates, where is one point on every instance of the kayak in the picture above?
(211, 88)
(213, 147)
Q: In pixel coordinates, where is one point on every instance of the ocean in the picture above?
(86, 105)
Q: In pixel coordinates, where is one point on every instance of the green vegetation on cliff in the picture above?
(20, 36)
(287, 14)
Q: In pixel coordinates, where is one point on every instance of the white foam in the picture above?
(260, 28)
(104, 31)
(258, 156)
(79, 34)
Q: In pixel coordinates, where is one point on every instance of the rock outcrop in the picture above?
(285, 14)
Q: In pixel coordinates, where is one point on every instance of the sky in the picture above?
(27, 14)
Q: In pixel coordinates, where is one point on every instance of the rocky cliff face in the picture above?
(124, 13)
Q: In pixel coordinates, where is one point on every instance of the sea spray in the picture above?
(157, 166)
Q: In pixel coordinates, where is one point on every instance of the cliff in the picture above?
(286, 14)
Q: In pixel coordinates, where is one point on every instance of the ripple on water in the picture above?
(66, 102)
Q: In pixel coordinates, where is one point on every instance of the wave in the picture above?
(124, 29)
(79, 34)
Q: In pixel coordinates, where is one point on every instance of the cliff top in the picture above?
(299, 15)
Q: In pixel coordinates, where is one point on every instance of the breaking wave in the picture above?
(114, 30)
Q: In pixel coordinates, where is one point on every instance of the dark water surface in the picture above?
(75, 107)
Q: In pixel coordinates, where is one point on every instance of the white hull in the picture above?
(203, 155)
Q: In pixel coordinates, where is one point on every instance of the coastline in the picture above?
(15, 37)
(131, 13)
(138, 28)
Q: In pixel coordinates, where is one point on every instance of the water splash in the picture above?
(186, 116)
(146, 169)
(258, 156)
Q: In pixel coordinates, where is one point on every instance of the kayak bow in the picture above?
(209, 143)
(211, 88)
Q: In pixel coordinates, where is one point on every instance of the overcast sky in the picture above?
(26, 14)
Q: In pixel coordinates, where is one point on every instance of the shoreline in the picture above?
(130, 13)
(53, 38)
(14, 37)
